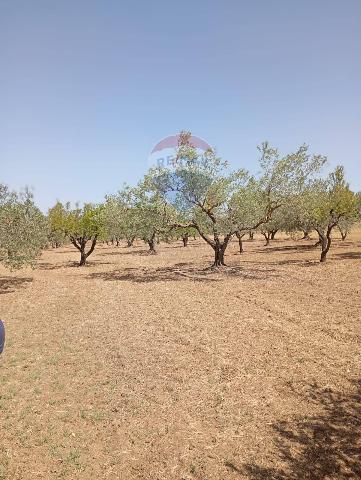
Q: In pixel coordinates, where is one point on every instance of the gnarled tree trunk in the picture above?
(219, 256)
(80, 244)
(220, 249)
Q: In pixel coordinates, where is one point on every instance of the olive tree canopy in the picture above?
(23, 229)
(326, 203)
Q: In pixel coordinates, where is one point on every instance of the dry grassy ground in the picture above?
(150, 367)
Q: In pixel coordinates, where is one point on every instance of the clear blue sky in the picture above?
(88, 87)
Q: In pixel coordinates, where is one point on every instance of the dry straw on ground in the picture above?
(151, 367)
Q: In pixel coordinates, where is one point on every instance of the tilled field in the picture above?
(153, 367)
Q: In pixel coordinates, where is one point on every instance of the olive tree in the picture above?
(346, 223)
(345, 226)
(182, 218)
(152, 215)
(278, 222)
(23, 229)
(56, 216)
(296, 218)
(83, 225)
(221, 203)
(129, 221)
(114, 211)
(184, 233)
(326, 203)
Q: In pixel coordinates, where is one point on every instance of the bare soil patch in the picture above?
(154, 367)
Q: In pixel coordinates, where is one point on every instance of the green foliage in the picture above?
(199, 194)
(323, 205)
(218, 203)
(80, 225)
(113, 214)
(56, 219)
(277, 223)
(83, 223)
(327, 201)
(152, 213)
(122, 220)
(23, 229)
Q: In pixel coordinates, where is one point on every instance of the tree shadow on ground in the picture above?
(60, 250)
(10, 284)
(321, 447)
(56, 266)
(181, 246)
(180, 271)
(345, 244)
(125, 251)
(299, 262)
(287, 248)
(70, 264)
(349, 255)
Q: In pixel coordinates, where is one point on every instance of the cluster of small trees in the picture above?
(198, 195)
(325, 203)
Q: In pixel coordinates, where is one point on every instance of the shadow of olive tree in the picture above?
(322, 447)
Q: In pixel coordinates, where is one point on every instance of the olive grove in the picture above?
(198, 195)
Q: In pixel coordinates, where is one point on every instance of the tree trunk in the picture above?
(151, 243)
(83, 258)
(185, 240)
(130, 242)
(218, 256)
(324, 249)
(325, 241)
(80, 244)
(306, 235)
(267, 238)
(240, 242)
(251, 234)
(220, 249)
(83, 255)
(273, 234)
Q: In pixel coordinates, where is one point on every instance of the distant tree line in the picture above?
(198, 196)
